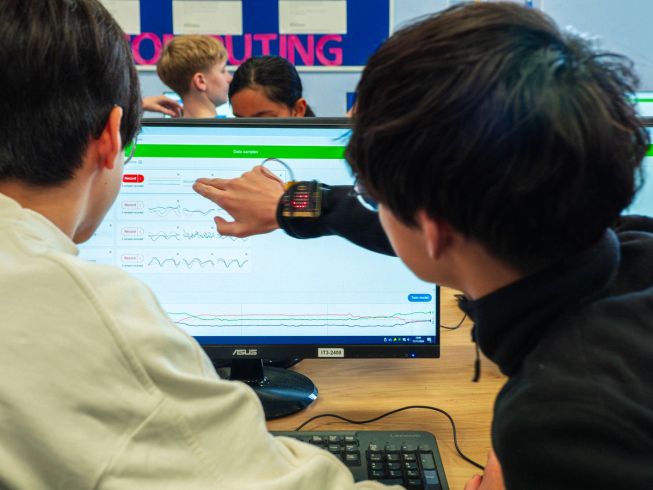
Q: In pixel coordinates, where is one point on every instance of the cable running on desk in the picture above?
(409, 407)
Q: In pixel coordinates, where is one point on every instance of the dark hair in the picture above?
(66, 64)
(276, 76)
(521, 137)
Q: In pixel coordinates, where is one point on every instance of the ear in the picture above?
(437, 234)
(198, 82)
(109, 144)
(299, 110)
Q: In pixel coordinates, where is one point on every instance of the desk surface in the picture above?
(361, 389)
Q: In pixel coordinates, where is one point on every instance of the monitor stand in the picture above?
(282, 392)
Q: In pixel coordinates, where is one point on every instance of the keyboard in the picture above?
(408, 458)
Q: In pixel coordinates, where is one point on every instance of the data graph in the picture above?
(308, 319)
(166, 207)
(200, 261)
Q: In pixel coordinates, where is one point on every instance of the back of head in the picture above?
(520, 136)
(274, 75)
(66, 65)
(184, 56)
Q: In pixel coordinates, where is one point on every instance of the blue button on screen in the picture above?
(419, 298)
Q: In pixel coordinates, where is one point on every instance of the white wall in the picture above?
(622, 25)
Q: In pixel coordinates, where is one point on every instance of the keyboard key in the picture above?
(411, 466)
(424, 448)
(412, 474)
(352, 460)
(333, 439)
(395, 474)
(412, 482)
(392, 458)
(376, 466)
(394, 466)
(376, 474)
(409, 448)
(410, 458)
(391, 448)
(377, 458)
(335, 448)
(428, 463)
(317, 440)
(431, 477)
(375, 448)
(351, 440)
(351, 448)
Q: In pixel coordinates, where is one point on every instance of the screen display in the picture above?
(644, 101)
(643, 202)
(262, 290)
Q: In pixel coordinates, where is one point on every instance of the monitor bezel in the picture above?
(306, 351)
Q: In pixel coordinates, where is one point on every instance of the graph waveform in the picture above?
(213, 263)
(294, 325)
(179, 210)
(348, 320)
(195, 235)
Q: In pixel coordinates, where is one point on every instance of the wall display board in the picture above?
(319, 35)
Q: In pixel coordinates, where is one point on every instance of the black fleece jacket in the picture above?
(576, 341)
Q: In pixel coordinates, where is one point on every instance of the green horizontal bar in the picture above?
(644, 100)
(231, 151)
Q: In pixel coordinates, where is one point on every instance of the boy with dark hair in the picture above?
(98, 388)
(194, 66)
(504, 179)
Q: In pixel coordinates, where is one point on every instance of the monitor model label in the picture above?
(330, 352)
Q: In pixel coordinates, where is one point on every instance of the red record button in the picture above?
(133, 178)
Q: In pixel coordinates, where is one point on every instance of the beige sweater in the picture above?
(99, 389)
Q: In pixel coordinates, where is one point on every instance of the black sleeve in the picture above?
(341, 215)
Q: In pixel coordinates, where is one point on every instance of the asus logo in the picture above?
(245, 352)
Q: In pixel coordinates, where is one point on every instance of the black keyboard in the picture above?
(408, 458)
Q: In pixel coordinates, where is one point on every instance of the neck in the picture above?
(198, 105)
(63, 205)
(478, 273)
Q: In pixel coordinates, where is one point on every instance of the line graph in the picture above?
(303, 319)
(172, 234)
(187, 261)
(192, 235)
(153, 208)
(179, 210)
(197, 262)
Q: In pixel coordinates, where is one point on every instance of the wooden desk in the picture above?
(361, 389)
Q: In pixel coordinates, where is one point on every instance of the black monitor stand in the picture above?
(282, 392)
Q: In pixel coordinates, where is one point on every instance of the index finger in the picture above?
(217, 183)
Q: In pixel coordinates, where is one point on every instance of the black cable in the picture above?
(455, 326)
(426, 407)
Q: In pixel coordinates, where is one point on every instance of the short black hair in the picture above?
(276, 76)
(522, 137)
(66, 64)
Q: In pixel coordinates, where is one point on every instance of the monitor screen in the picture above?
(643, 201)
(644, 101)
(223, 110)
(268, 296)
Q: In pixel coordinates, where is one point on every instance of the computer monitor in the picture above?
(643, 201)
(269, 296)
(644, 103)
(223, 110)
